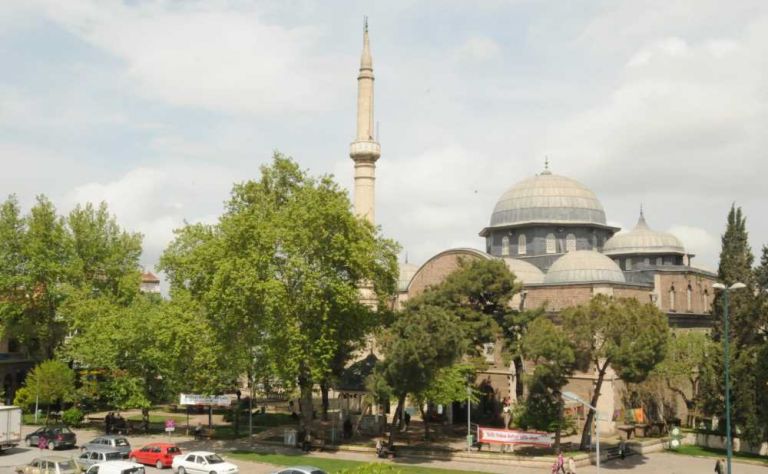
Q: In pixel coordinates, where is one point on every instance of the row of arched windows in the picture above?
(688, 299)
(550, 244)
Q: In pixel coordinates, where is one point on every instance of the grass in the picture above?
(331, 465)
(690, 450)
(160, 418)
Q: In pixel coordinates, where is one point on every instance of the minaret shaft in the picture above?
(365, 150)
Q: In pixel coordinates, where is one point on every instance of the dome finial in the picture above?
(641, 220)
(546, 165)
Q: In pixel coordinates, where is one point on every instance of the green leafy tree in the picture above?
(550, 350)
(50, 382)
(623, 334)
(450, 384)
(422, 341)
(280, 272)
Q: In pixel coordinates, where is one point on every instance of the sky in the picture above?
(158, 107)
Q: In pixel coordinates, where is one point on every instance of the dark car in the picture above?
(53, 437)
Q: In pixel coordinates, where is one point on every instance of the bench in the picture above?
(628, 430)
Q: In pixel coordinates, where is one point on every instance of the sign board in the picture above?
(192, 399)
(496, 436)
(170, 425)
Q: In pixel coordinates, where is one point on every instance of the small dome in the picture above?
(584, 266)
(548, 198)
(407, 271)
(524, 271)
(643, 240)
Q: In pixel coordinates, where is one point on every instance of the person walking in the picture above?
(571, 465)
(720, 466)
(559, 466)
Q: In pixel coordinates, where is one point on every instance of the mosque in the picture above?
(551, 232)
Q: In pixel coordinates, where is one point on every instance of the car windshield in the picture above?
(318, 471)
(133, 470)
(121, 442)
(66, 466)
(113, 456)
(63, 429)
(213, 459)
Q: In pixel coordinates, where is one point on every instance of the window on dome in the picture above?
(551, 244)
(522, 248)
(628, 264)
(570, 243)
(659, 261)
(647, 261)
(705, 302)
(505, 245)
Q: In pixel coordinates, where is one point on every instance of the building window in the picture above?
(488, 351)
(628, 264)
(705, 302)
(551, 243)
(522, 248)
(688, 294)
(659, 261)
(672, 298)
(505, 245)
(647, 261)
(570, 243)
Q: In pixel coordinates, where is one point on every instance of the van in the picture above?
(116, 467)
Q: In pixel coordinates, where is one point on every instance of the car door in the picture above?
(155, 453)
(189, 463)
(84, 460)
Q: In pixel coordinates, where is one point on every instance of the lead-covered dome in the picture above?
(643, 240)
(524, 271)
(548, 198)
(584, 266)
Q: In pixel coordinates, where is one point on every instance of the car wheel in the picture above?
(51, 445)
(181, 470)
(159, 464)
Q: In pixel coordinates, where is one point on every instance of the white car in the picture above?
(202, 462)
(116, 467)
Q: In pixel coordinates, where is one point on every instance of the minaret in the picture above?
(365, 150)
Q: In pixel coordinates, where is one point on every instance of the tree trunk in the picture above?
(210, 417)
(324, 395)
(424, 420)
(519, 385)
(595, 397)
(399, 417)
(305, 401)
(560, 418)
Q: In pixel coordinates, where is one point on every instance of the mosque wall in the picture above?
(684, 292)
(439, 267)
(561, 239)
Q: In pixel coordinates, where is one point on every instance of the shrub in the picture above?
(371, 468)
(72, 417)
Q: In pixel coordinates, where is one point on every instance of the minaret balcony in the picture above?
(367, 148)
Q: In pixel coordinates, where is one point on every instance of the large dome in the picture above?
(548, 198)
(524, 271)
(584, 266)
(643, 240)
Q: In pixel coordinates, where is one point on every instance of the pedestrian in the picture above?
(42, 443)
(571, 465)
(560, 463)
(407, 419)
(108, 420)
(199, 431)
(506, 411)
(720, 466)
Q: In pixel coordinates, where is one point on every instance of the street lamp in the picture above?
(726, 338)
(572, 396)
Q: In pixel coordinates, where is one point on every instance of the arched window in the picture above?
(628, 264)
(672, 298)
(505, 245)
(522, 245)
(570, 243)
(659, 261)
(551, 243)
(688, 295)
(705, 302)
(647, 261)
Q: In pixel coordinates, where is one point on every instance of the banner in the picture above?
(192, 399)
(497, 436)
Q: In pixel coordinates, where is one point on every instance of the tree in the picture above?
(280, 272)
(422, 341)
(50, 382)
(449, 384)
(623, 334)
(550, 350)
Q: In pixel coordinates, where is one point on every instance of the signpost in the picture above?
(170, 427)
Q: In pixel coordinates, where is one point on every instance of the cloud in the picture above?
(214, 55)
(479, 49)
(698, 241)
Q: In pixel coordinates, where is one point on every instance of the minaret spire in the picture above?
(365, 150)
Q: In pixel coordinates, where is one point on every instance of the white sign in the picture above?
(192, 399)
(496, 436)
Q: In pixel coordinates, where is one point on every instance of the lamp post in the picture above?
(469, 414)
(572, 396)
(726, 349)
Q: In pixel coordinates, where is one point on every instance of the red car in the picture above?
(159, 454)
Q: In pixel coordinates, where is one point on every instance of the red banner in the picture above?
(496, 436)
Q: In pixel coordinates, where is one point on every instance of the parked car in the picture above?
(55, 437)
(116, 467)
(117, 442)
(158, 454)
(96, 455)
(300, 470)
(49, 465)
(202, 461)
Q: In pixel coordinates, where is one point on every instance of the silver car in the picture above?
(300, 470)
(92, 456)
(113, 442)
